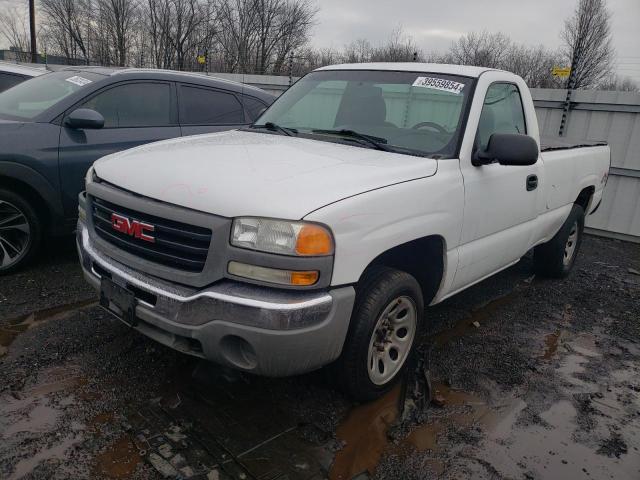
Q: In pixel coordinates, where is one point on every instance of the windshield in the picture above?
(408, 112)
(29, 99)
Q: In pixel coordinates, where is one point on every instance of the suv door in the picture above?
(500, 207)
(135, 113)
(205, 110)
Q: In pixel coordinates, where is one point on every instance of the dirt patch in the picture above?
(119, 460)
(10, 329)
(86, 397)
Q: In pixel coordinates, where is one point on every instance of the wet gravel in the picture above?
(547, 385)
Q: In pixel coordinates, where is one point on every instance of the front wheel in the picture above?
(386, 320)
(20, 231)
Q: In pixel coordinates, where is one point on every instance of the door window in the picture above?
(502, 112)
(202, 106)
(253, 107)
(134, 105)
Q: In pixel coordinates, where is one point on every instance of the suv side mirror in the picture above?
(508, 149)
(84, 118)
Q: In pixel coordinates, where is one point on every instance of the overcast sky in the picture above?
(435, 24)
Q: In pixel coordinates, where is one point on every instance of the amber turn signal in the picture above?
(304, 278)
(314, 240)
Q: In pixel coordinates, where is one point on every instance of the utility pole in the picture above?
(32, 28)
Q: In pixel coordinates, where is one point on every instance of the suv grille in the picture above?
(176, 245)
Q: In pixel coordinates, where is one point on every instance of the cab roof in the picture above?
(447, 69)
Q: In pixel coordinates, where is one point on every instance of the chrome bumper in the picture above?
(263, 330)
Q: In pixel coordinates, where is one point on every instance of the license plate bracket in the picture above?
(125, 301)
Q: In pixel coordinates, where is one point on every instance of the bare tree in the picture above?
(118, 19)
(68, 25)
(14, 30)
(238, 32)
(587, 43)
(480, 49)
(533, 64)
(615, 82)
(358, 51)
(298, 16)
(398, 48)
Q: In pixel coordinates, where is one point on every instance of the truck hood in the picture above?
(249, 173)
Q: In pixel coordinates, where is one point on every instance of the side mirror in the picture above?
(84, 118)
(508, 149)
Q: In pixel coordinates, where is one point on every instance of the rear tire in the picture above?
(20, 231)
(556, 258)
(386, 319)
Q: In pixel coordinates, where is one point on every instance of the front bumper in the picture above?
(266, 331)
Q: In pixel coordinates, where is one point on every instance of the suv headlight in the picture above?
(282, 237)
(90, 177)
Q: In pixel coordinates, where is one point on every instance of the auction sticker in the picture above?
(80, 81)
(439, 84)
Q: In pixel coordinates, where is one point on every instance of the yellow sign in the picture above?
(201, 59)
(561, 72)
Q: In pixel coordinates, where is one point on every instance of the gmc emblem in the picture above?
(133, 228)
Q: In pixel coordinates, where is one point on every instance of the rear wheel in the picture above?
(20, 231)
(386, 319)
(556, 257)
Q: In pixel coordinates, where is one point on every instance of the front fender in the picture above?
(369, 224)
(12, 171)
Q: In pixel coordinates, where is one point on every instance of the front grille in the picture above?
(177, 245)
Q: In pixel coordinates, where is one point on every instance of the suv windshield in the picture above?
(29, 99)
(407, 112)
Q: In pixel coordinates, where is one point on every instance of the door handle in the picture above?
(532, 182)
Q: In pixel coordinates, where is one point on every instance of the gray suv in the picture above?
(53, 127)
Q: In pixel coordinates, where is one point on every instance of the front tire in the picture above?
(20, 231)
(556, 258)
(386, 319)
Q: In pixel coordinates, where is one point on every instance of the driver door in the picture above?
(500, 206)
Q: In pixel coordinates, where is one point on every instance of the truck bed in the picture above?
(548, 144)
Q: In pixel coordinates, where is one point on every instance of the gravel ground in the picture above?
(531, 379)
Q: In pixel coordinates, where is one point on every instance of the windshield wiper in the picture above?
(378, 143)
(277, 128)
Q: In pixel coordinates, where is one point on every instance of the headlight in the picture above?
(282, 237)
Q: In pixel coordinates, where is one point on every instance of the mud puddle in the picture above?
(364, 436)
(10, 329)
(365, 431)
(119, 460)
(37, 412)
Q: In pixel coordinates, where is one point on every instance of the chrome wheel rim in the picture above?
(570, 246)
(15, 234)
(391, 340)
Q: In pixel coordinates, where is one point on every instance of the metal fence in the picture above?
(610, 116)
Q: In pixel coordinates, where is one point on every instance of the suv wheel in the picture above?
(385, 322)
(20, 231)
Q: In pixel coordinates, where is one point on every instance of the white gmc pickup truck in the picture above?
(320, 233)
